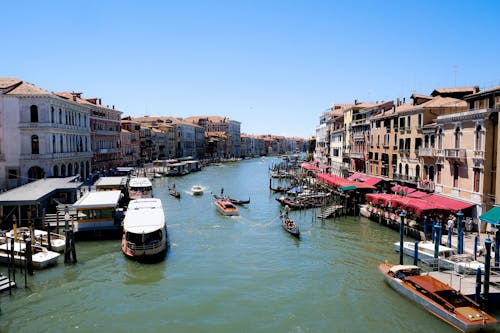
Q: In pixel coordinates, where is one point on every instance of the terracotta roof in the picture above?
(25, 88)
(484, 92)
(439, 101)
(438, 91)
(7, 82)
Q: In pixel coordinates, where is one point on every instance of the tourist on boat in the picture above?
(222, 191)
(287, 209)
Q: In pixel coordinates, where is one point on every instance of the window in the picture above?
(60, 116)
(34, 114)
(12, 174)
(52, 114)
(439, 173)
(477, 175)
(477, 143)
(457, 138)
(456, 170)
(35, 145)
(54, 144)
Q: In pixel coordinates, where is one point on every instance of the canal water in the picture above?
(225, 274)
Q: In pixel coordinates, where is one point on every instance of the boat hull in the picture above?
(292, 231)
(434, 308)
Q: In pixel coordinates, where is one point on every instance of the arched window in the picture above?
(70, 169)
(440, 139)
(407, 169)
(56, 171)
(431, 173)
(63, 170)
(35, 145)
(61, 143)
(52, 114)
(439, 168)
(478, 137)
(60, 116)
(34, 114)
(426, 172)
(54, 148)
(417, 172)
(477, 177)
(400, 168)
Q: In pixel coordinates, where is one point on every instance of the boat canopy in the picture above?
(99, 199)
(404, 269)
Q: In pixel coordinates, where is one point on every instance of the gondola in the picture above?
(289, 225)
(173, 192)
(239, 202)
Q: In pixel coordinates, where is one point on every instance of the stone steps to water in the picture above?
(5, 284)
(329, 211)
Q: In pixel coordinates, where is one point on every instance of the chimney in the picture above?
(404, 99)
(397, 102)
(113, 106)
(355, 102)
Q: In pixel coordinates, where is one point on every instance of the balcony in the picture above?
(358, 136)
(479, 154)
(426, 152)
(426, 185)
(357, 155)
(404, 151)
(455, 154)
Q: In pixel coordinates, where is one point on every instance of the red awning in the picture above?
(361, 178)
(418, 194)
(402, 189)
(309, 166)
(450, 204)
(337, 181)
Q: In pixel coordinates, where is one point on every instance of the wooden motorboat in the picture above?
(289, 225)
(197, 190)
(225, 207)
(438, 298)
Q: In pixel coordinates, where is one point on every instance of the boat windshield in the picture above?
(143, 239)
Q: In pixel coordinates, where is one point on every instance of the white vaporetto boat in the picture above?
(197, 190)
(140, 187)
(144, 230)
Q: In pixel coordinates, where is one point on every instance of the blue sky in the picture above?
(275, 66)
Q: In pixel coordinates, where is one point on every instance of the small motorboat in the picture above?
(40, 257)
(289, 225)
(438, 298)
(57, 241)
(197, 190)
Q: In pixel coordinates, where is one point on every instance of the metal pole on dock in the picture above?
(66, 234)
(436, 239)
(401, 236)
(477, 296)
(415, 255)
(487, 267)
(476, 242)
(425, 228)
(460, 215)
(497, 254)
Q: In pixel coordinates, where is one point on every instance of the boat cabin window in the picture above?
(142, 239)
(96, 214)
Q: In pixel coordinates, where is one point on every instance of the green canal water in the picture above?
(225, 274)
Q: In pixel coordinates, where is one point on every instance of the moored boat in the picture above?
(225, 207)
(144, 230)
(40, 257)
(57, 241)
(438, 298)
(289, 225)
(140, 187)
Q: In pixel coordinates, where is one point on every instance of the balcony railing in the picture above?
(56, 156)
(406, 178)
(426, 185)
(425, 152)
(438, 152)
(455, 153)
(404, 151)
(478, 154)
(357, 155)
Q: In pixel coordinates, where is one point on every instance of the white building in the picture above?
(41, 135)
